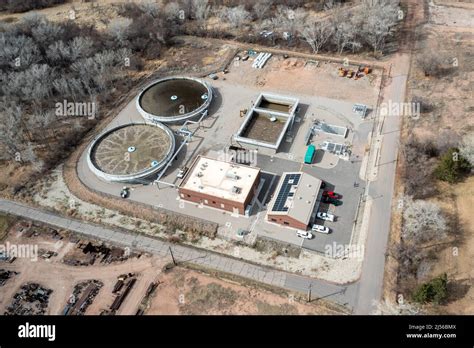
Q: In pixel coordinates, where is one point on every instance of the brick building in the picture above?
(295, 200)
(218, 184)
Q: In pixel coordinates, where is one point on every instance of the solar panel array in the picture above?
(284, 192)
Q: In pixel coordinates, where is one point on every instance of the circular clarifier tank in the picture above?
(174, 99)
(131, 152)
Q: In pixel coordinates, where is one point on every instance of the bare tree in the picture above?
(18, 51)
(467, 148)
(378, 20)
(10, 126)
(69, 87)
(317, 34)
(261, 8)
(235, 15)
(32, 84)
(433, 63)
(290, 21)
(172, 11)
(80, 47)
(119, 29)
(201, 9)
(151, 8)
(344, 30)
(41, 119)
(47, 32)
(28, 155)
(422, 221)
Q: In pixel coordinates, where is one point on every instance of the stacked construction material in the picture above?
(261, 59)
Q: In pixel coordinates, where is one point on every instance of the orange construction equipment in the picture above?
(367, 70)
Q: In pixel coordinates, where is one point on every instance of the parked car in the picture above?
(125, 192)
(304, 234)
(320, 228)
(331, 194)
(325, 216)
(182, 172)
(333, 201)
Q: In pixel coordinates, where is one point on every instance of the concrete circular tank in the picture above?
(131, 152)
(174, 99)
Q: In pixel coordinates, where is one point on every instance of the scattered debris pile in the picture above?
(5, 275)
(92, 251)
(82, 296)
(35, 229)
(146, 299)
(122, 288)
(47, 254)
(31, 299)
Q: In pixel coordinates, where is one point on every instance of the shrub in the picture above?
(433, 64)
(435, 291)
(423, 221)
(27, 5)
(452, 166)
(419, 158)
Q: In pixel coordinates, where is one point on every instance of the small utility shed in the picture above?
(294, 200)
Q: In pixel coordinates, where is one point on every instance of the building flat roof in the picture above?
(220, 179)
(295, 196)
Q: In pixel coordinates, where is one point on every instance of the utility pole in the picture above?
(172, 256)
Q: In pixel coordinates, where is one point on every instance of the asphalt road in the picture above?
(344, 295)
(381, 190)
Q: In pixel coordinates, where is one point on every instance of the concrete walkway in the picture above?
(343, 295)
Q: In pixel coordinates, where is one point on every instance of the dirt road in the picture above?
(62, 278)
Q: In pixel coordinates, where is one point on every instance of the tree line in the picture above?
(366, 24)
(44, 62)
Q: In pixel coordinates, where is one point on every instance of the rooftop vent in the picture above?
(199, 174)
(232, 175)
(236, 189)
